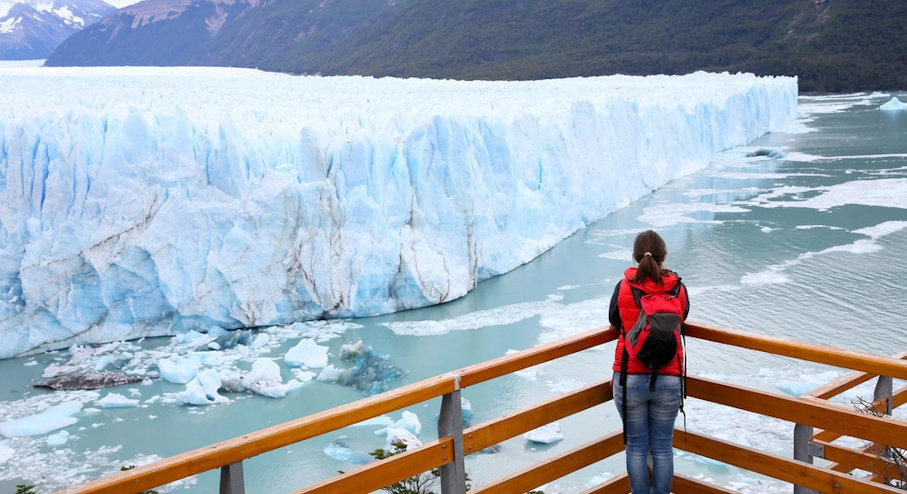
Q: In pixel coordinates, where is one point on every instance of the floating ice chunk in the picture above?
(187, 337)
(260, 340)
(6, 452)
(303, 375)
(894, 104)
(370, 375)
(383, 420)
(546, 434)
(202, 390)
(178, 370)
(466, 407)
(339, 451)
(55, 417)
(58, 439)
(280, 390)
(409, 422)
(263, 370)
(307, 353)
(796, 388)
(352, 351)
(766, 229)
(404, 436)
(116, 400)
(30, 363)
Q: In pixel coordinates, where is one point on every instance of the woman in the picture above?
(649, 411)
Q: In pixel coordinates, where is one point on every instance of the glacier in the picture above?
(142, 201)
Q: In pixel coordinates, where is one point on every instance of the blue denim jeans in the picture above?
(650, 429)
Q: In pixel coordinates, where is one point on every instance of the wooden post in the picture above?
(450, 423)
(231, 479)
(803, 434)
(884, 389)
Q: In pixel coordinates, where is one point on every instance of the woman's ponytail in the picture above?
(649, 251)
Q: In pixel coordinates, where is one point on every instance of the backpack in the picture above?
(653, 339)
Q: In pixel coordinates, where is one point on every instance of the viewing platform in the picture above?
(818, 424)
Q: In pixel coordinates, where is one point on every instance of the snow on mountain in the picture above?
(150, 201)
(32, 29)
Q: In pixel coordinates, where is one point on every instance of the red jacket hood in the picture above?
(650, 286)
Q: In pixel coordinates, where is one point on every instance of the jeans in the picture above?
(650, 429)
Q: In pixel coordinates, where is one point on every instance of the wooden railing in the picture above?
(454, 443)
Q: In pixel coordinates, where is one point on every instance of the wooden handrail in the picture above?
(846, 382)
(813, 352)
(494, 431)
(501, 366)
(255, 443)
(779, 467)
(374, 476)
(556, 467)
(807, 410)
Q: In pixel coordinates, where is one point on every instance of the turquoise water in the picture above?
(807, 244)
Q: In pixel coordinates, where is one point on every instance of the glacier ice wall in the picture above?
(149, 201)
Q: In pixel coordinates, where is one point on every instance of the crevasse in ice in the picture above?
(149, 201)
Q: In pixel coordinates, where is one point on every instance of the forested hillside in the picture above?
(832, 45)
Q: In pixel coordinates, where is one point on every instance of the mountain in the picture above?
(832, 45)
(32, 29)
(270, 34)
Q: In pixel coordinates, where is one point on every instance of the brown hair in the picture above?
(649, 251)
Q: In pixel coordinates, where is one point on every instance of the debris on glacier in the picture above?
(546, 434)
(55, 417)
(116, 400)
(371, 374)
(370, 195)
(307, 353)
(88, 380)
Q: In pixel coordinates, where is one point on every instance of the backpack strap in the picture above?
(623, 385)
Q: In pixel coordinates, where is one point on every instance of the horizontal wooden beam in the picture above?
(383, 473)
(844, 383)
(501, 366)
(864, 460)
(684, 484)
(483, 435)
(898, 398)
(778, 467)
(555, 467)
(811, 412)
(255, 443)
(615, 485)
(813, 352)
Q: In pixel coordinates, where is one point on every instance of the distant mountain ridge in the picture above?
(832, 45)
(32, 29)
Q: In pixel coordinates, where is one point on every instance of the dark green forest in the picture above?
(831, 45)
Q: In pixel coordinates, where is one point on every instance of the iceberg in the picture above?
(894, 104)
(55, 417)
(148, 201)
(178, 370)
(371, 374)
(546, 434)
(409, 422)
(116, 400)
(307, 353)
(202, 390)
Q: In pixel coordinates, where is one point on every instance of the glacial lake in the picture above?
(807, 241)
